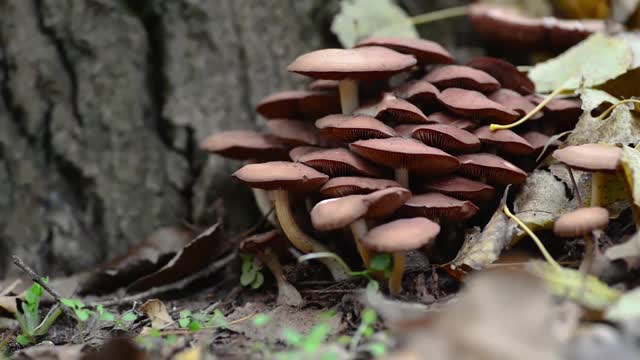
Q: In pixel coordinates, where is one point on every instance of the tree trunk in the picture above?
(103, 104)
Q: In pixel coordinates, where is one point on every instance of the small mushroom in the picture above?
(438, 207)
(354, 185)
(398, 237)
(324, 85)
(280, 178)
(418, 92)
(582, 222)
(505, 141)
(264, 247)
(403, 155)
(507, 26)
(293, 132)
(453, 120)
(392, 109)
(299, 151)
(598, 159)
(245, 145)
(491, 168)
(462, 188)
(464, 77)
(476, 105)
(539, 140)
(350, 128)
(351, 65)
(514, 101)
(446, 137)
(425, 51)
(297, 104)
(562, 113)
(340, 162)
(352, 210)
(505, 72)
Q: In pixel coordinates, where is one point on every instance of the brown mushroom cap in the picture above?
(324, 85)
(354, 185)
(405, 130)
(514, 101)
(418, 92)
(476, 105)
(439, 206)
(506, 73)
(401, 235)
(581, 222)
(349, 128)
(453, 120)
(447, 137)
(427, 52)
(245, 145)
(365, 63)
(405, 153)
(538, 140)
(505, 141)
(385, 202)
(464, 77)
(393, 109)
(494, 169)
(293, 132)
(590, 157)
(564, 33)
(340, 212)
(340, 162)
(297, 152)
(296, 104)
(507, 26)
(564, 112)
(272, 238)
(275, 175)
(462, 188)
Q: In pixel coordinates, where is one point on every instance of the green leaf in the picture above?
(380, 262)
(72, 303)
(369, 316)
(185, 313)
(23, 340)
(247, 261)
(154, 333)
(195, 326)
(316, 337)
(377, 349)
(171, 339)
(591, 62)
(248, 278)
(373, 286)
(83, 315)
(184, 322)
(367, 332)
(129, 317)
(258, 281)
(360, 19)
(292, 337)
(261, 320)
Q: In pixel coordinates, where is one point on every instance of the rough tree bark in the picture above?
(103, 103)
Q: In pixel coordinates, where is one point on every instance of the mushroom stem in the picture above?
(298, 238)
(402, 177)
(395, 281)
(535, 110)
(287, 293)
(358, 229)
(265, 205)
(589, 253)
(349, 100)
(598, 181)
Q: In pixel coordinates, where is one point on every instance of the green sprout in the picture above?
(251, 272)
(28, 315)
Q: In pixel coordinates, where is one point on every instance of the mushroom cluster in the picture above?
(390, 140)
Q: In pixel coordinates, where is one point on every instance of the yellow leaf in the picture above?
(194, 353)
(630, 162)
(582, 9)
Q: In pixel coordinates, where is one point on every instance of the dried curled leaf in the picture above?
(630, 162)
(627, 307)
(629, 249)
(620, 126)
(572, 284)
(483, 248)
(157, 312)
(591, 62)
(360, 19)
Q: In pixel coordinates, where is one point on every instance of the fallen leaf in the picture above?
(629, 249)
(194, 353)
(624, 86)
(196, 255)
(48, 351)
(142, 259)
(540, 202)
(575, 285)
(620, 127)
(582, 9)
(630, 162)
(591, 62)
(8, 306)
(360, 19)
(157, 312)
(483, 248)
(627, 307)
(499, 315)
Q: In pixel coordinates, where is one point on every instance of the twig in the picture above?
(38, 280)
(154, 292)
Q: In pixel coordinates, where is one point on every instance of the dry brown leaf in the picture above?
(8, 306)
(157, 312)
(630, 161)
(483, 248)
(626, 250)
